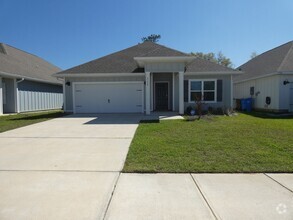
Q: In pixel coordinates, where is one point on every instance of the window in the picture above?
(204, 90)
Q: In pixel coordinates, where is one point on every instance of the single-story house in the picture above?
(26, 82)
(268, 79)
(144, 78)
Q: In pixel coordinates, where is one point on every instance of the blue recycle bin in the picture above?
(246, 104)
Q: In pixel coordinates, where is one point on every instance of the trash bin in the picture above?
(243, 105)
(246, 104)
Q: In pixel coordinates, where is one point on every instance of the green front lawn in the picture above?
(19, 120)
(244, 143)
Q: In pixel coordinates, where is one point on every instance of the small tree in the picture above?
(152, 38)
(219, 58)
(199, 105)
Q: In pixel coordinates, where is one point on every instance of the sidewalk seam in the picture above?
(110, 200)
(278, 182)
(205, 199)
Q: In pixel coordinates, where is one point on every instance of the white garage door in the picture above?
(108, 97)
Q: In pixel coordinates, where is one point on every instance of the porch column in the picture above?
(1, 97)
(147, 93)
(181, 93)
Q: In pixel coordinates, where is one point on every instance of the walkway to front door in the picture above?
(161, 96)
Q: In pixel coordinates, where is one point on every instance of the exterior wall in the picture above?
(36, 96)
(68, 89)
(286, 93)
(10, 104)
(1, 97)
(226, 92)
(163, 77)
(263, 87)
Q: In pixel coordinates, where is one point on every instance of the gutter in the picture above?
(95, 74)
(139, 74)
(27, 78)
(262, 76)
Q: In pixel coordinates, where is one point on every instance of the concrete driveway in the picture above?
(65, 168)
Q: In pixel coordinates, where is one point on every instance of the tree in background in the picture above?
(152, 38)
(253, 55)
(220, 58)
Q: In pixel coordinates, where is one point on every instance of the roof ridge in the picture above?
(286, 56)
(162, 46)
(174, 49)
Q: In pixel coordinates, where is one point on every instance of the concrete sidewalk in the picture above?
(202, 196)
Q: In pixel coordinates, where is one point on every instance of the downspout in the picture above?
(19, 81)
(17, 95)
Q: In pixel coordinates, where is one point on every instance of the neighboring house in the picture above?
(268, 79)
(143, 78)
(26, 82)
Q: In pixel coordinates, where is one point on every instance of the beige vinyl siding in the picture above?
(264, 87)
(286, 92)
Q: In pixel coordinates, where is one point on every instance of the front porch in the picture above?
(164, 92)
(164, 82)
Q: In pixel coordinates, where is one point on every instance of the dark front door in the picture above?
(161, 96)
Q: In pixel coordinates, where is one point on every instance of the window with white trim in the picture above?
(204, 90)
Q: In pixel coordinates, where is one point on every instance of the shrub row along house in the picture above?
(268, 79)
(26, 82)
(144, 78)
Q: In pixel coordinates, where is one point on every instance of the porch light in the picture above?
(286, 82)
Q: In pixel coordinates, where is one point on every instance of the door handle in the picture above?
(108, 100)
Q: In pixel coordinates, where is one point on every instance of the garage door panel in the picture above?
(109, 98)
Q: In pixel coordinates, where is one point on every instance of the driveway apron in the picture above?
(65, 168)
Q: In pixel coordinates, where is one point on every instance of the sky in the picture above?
(71, 32)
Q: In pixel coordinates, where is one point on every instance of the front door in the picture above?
(161, 96)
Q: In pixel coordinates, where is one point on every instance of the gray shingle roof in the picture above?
(201, 65)
(15, 61)
(123, 62)
(275, 60)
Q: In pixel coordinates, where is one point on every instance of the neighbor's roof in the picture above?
(279, 59)
(17, 62)
(123, 61)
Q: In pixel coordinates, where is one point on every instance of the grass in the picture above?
(10, 122)
(244, 143)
